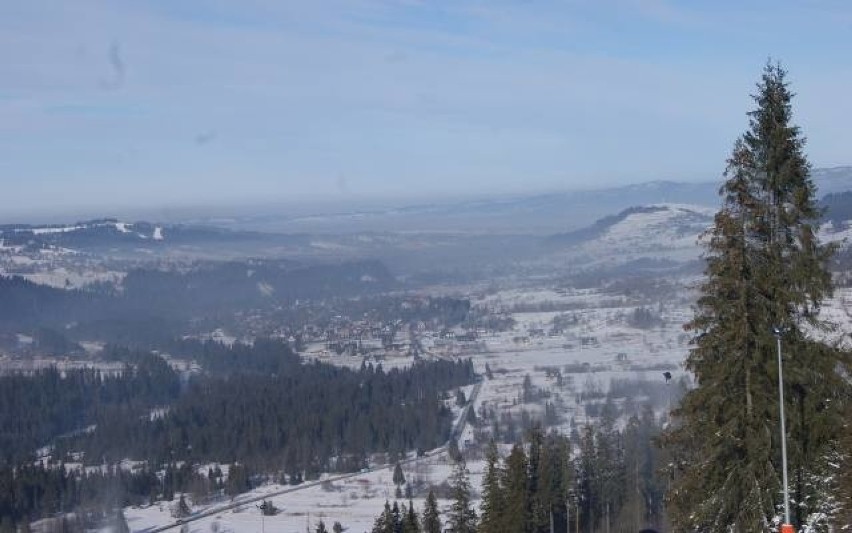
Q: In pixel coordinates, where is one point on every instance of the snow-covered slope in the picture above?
(840, 233)
(648, 230)
(670, 231)
(89, 233)
(658, 227)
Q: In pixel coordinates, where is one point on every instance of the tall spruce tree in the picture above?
(398, 475)
(462, 518)
(538, 508)
(493, 498)
(385, 522)
(397, 518)
(410, 523)
(516, 492)
(765, 268)
(431, 516)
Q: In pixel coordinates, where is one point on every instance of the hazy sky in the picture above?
(194, 101)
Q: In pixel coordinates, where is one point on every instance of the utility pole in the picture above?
(786, 527)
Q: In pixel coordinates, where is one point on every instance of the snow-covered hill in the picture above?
(658, 227)
(89, 233)
(654, 230)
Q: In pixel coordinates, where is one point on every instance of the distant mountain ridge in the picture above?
(111, 233)
(90, 229)
(543, 213)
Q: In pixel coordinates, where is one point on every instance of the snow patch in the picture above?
(265, 288)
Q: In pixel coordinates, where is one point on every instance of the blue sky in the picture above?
(170, 102)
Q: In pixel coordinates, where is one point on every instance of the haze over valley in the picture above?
(405, 266)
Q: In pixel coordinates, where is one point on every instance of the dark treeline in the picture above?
(277, 417)
(264, 356)
(36, 408)
(837, 208)
(153, 308)
(204, 289)
(30, 492)
(27, 303)
(304, 420)
(209, 288)
(614, 484)
(620, 482)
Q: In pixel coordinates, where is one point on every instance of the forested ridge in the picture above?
(281, 418)
(204, 289)
(36, 408)
(298, 419)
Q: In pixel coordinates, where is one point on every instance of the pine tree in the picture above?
(610, 464)
(588, 478)
(765, 268)
(554, 477)
(462, 517)
(182, 509)
(321, 527)
(516, 514)
(431, 516)
(385, 522)
(396, 517)
(338, 528)
(493, 499)
(410, 524)
(398, 475)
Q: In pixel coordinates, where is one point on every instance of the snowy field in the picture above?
(354, 501)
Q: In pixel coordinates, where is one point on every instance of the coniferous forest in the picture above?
(605, 479)
(291, 421)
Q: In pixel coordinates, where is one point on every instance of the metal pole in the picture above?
(783, 431)
(577, 517)
(567, 515)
